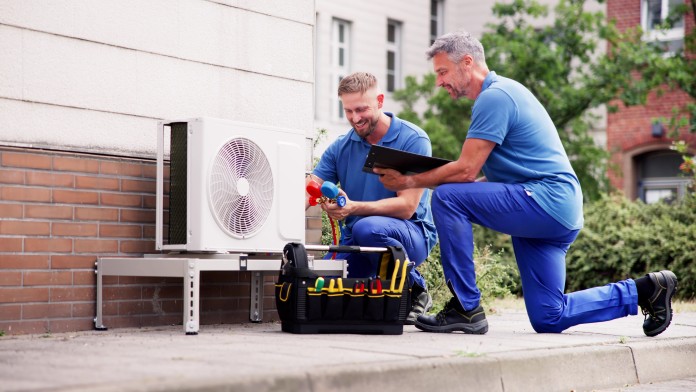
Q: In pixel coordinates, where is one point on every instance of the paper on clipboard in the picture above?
(403, 161)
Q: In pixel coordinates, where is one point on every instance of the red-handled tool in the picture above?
(314, 189)
(327, 192)
(376, 286)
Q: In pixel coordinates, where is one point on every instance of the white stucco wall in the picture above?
(97, 75)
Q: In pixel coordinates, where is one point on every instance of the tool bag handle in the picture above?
(295, 257)
(346, 248)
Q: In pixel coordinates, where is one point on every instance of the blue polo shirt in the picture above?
(528, 151)
(343, 160)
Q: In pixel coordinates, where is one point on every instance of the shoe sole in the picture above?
(478, 328)
(412, 320)
(669, 277)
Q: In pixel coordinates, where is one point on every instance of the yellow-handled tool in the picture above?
(403, 276)
(392, 284)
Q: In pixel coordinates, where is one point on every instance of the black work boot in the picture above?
(454, 318)
(421, 303)
(658, 308)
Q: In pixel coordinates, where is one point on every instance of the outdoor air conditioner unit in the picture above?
(233, 186)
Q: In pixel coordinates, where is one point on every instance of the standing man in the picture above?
(375, 216)
(530, 192)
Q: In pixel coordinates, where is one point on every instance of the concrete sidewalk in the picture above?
(259, 357)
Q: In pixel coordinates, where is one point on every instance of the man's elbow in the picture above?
(404, 216)
(407, 213)
(469, 178)
(465, 176)
(465, 172)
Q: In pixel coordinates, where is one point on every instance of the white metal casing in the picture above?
(285, 151)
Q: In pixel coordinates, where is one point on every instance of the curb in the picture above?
(577, 368)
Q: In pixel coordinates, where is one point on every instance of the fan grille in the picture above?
(241, 188)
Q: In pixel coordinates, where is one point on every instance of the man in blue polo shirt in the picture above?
(529, 191)
(373, 215)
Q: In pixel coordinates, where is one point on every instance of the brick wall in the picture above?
(59, 213)
(630, 128)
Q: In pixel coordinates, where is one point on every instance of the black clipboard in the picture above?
(403, 161)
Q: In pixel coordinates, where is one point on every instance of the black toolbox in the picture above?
(306, 305)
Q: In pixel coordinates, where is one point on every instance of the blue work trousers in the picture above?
(540, 245)
(382, 231)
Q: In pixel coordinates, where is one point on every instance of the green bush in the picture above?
(501, 245)
(492, 277)
(625, 239)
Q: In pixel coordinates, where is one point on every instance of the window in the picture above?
(436, 19)
(653, 14)
(393, 55)
(340, 62)
(659, 178)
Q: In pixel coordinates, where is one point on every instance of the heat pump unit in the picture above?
(233, 186)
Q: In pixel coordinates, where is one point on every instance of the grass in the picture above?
(509, 302)
(467, 354)
(684, 306)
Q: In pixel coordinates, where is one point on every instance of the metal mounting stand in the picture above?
(189, 267)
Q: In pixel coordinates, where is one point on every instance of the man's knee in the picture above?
(439, 195)
(445, 195)
(366, 232)
(546, 320)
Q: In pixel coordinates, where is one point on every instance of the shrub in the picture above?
(625, 239)
(492, 277)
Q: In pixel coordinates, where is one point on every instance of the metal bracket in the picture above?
(191, 298)
(243, 260)
(256, 300)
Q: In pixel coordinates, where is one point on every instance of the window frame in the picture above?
(678, 185)
(394, 76)
(675, 34)
(438, 19)
(339, 69)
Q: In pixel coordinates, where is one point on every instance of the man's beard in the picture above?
(371, 128)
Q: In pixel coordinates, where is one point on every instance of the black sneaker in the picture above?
(658, 308)
(421, 303)
(453, 319)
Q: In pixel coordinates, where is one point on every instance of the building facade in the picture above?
(82, 87)
(643, 164)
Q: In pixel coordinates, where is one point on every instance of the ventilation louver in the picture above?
(241, 188)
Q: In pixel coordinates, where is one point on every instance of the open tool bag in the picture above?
(308, 303)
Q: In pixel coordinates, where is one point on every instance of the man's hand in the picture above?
(393, 180)
(339, 213)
